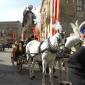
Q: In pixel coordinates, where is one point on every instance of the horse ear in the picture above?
(75, 28)
(76, 23)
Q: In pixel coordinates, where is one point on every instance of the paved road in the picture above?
(9, 75)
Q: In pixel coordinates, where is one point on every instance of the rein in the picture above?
(76, 44)
(49, 48)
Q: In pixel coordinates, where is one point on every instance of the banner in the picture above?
(56, 16)
(54, 10)
(14, 36)
(58, 11)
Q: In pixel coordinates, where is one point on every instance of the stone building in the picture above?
(8, 30)
(70, 11)
(46, 16)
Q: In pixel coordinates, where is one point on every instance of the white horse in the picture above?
(76, 38)
(73, 41)
(45, 52)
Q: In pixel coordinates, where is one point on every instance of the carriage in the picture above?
(18, 55)
(28, 22)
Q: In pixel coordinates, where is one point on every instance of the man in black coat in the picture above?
(76, 64)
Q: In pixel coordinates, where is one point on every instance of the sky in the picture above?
(12, 10)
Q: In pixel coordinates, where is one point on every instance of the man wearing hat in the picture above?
(76, 63)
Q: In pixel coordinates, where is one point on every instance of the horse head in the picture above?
(75, 40)
(71, 40)
(55, 42)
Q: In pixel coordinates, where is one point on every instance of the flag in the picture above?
(56, 20)
(58, 10)
(40, 27)
(54, 10)
(55, 7)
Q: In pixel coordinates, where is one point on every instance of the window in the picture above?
(79, 5)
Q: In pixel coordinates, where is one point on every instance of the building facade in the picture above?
(46, 15)
(70, 11)
(10, 31)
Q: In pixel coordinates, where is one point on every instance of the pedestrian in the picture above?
(76, 63)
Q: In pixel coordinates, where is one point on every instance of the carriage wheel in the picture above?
(19, 66)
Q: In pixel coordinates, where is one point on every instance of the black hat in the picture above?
(82, 30)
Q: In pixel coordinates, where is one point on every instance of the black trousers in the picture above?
(76, 77)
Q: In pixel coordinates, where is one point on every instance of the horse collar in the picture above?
(50, 47)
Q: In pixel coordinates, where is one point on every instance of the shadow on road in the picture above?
(9, 76)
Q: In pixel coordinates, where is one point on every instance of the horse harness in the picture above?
(49, 48)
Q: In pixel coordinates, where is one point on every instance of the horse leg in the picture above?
(33, 63)
(31, 68)
(54, 70)
(43, 72)
(12, 60)
(40, 65)
(29, 61)
(51, 74)
(60, 69)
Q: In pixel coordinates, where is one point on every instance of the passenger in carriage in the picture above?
(16, 51)
(76, 64)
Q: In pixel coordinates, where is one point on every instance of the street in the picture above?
(10, 76)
